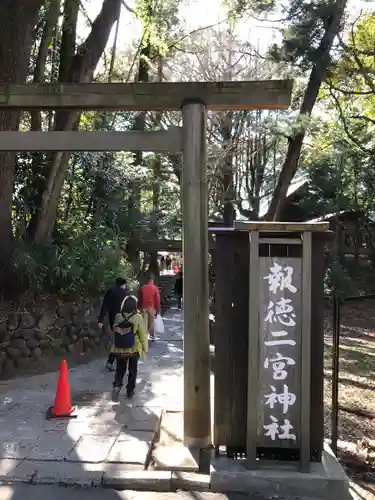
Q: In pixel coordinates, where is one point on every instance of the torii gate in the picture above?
(194, 99)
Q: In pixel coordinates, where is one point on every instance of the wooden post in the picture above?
(197, 400)
(305, 444)
(253, 352)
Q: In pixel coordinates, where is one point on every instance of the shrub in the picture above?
(83, 264)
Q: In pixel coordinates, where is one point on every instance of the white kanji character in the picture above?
(272, 428)
(271, 399)
(280, 279)
(271, 343)
(278, 366)
(285, 312)
(285, 398)
(283, 306)
(286, 428)
(280, 333)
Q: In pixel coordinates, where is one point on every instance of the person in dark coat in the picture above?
(162, 263)
(168, 262)
(111, 305)
(178, 288)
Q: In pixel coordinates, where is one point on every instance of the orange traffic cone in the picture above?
(63, 405)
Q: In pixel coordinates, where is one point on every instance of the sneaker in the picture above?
(109, 367)
(130, 394)
(152, 336)
(115, 394)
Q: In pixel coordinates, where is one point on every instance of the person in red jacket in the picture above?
(149, 304)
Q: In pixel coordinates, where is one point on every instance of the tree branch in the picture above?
(127, 7)
(355, 141)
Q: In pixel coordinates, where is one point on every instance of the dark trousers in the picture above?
(124, 363)
(179, 301)
(112, 356)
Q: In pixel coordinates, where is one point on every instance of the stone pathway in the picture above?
(107, 444)
(105, 438)
(24, 491)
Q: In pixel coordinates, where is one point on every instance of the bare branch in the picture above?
(127, 7)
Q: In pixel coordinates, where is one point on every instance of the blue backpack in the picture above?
(125, 340)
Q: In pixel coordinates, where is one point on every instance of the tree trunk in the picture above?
(317, 75)
(68, 38)
(102, 123)
(40, 63)
(17, 23)
(134, 203)
(81, 69)
(227, 171)
(156, 182)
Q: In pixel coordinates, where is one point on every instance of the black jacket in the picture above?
(178, 287)
(112, 303)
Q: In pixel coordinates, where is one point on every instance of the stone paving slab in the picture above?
(131, 449)
(171, 428)
(142, 480)
(76, 429)
(24, 472)
(169, 453)
(51, 446)
(8, 469)
(190, 481)
(141, 420)
(68, 474)
(16, 448)
(175, 457)
(91, 449)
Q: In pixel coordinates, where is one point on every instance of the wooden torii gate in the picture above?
(194, 99)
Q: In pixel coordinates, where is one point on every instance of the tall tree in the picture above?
(49, 29)
(309, 41)
(75, 66)
(17, 25)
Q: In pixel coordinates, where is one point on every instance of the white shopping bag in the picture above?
(159, 325)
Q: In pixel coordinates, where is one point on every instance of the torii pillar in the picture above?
(197, 399)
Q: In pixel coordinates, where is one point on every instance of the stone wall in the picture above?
(32, 338)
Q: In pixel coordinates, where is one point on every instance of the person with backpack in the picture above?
(149, 304)
(112, 301)
(130, 342)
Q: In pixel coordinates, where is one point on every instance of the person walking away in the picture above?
(168, 262)
(112, 301)
(178, 288)
(130, 342)
(149, 304)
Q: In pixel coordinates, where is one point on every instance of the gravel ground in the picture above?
(356, 391)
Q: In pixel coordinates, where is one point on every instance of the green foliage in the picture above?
(159, 19)
(238, 7)
(305, 24)
(84, 264)
(350, 278)
(338, 280)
